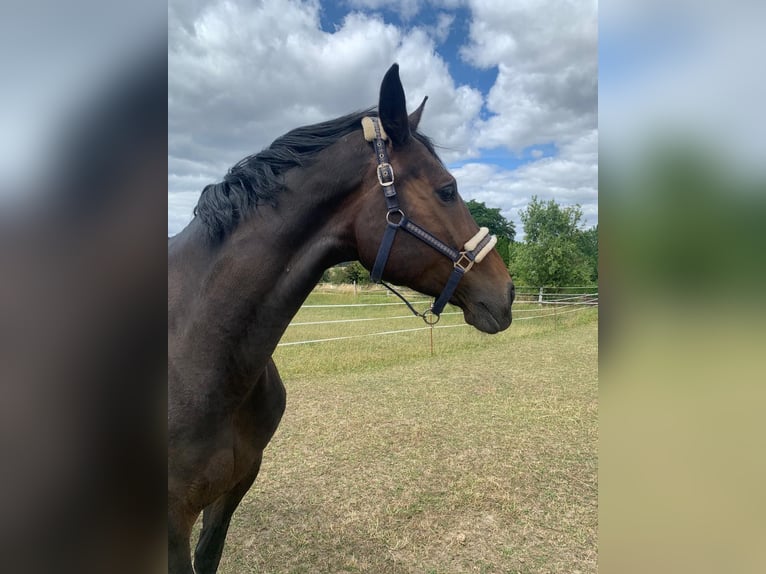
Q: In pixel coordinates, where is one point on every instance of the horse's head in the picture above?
(426, 198)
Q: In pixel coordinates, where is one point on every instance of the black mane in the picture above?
(258, 178)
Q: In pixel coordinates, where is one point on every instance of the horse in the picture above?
(256, 247)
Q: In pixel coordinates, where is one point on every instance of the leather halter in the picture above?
(474, 250)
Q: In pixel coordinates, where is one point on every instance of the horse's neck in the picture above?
(249, 288)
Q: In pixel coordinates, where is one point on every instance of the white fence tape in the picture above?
(561, 298)
(304, 323)
(359, 305)
(381, 333)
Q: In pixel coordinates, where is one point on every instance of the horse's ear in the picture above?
(392, 107)
(415, 116)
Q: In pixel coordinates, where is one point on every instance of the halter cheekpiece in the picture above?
(474, 250)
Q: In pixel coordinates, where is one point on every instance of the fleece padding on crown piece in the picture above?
(369, 129)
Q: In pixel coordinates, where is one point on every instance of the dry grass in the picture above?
(479, 459)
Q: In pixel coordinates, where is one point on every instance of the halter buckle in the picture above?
(385, 171)
(464, 262)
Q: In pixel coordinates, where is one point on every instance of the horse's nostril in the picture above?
(512, 293)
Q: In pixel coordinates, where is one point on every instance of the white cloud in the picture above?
(183, 203)
(569, 178)
(241, 75)
(443, 25)
(546, 56)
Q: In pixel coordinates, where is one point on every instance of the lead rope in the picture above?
(425, 315)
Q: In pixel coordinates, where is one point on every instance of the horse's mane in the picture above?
(259, 178)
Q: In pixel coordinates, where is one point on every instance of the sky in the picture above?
(682, 71)
(49, 78)
(512, 88)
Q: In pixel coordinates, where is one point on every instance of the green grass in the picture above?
(480, 458)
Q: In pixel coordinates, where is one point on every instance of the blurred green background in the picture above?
(682, 340)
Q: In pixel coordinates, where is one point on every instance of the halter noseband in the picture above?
(474, 250)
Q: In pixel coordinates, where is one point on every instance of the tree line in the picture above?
(555, 252)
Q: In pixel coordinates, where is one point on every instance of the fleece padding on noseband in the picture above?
(486, 249)
(369, 130)
(473, 243)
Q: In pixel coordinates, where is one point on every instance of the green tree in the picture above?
(503, 247)
(551, 254)
(587, 240)
(354, 272)
(491, 218)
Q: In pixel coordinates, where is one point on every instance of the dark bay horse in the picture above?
(258, 244)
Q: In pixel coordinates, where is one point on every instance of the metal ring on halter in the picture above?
(434, 318)
(401, 217)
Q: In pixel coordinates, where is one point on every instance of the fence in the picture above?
(523, 292)
(526, 294)
(542, 305)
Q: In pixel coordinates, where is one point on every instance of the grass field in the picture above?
(480, 458)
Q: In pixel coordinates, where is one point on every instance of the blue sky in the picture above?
(512, 88)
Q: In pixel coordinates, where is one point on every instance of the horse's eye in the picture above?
(447, 193)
